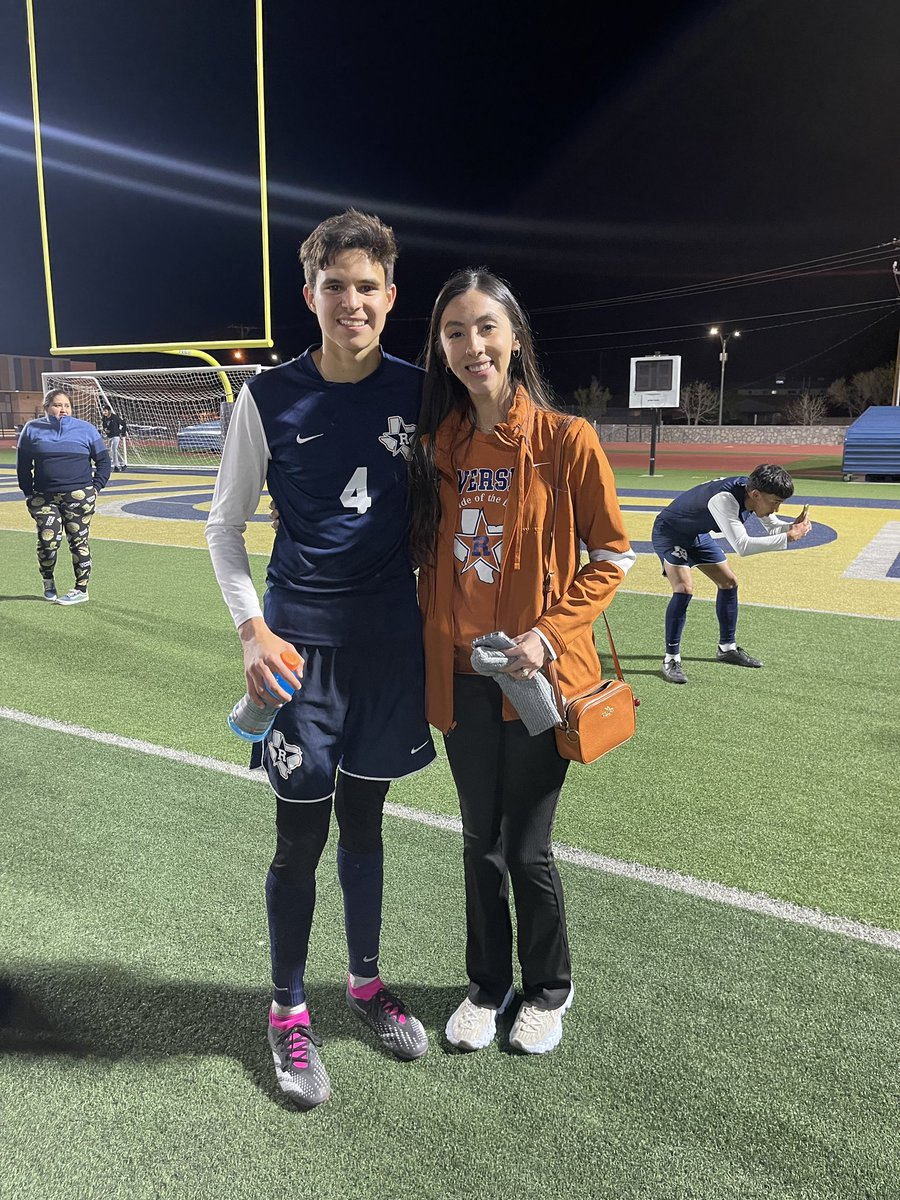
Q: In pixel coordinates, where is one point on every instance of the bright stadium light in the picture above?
(723, 358)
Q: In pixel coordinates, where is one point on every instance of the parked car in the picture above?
(207, 436)
(148, 433)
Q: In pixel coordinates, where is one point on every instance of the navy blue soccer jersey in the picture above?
(334, 457)
(689, 514)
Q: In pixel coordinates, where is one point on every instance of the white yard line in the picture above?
(877, 558)
(673, 881)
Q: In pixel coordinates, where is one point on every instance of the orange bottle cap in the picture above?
(291, 659)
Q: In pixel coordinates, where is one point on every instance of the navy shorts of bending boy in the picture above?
(361, 709)
(676, 550)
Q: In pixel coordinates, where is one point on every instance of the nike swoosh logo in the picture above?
(418, 748)
(369, 957)
(312, 438)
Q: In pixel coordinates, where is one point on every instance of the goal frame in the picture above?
(187, 343)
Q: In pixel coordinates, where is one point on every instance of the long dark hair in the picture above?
(443, 394)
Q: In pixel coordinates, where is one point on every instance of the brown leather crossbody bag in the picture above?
(602, 718)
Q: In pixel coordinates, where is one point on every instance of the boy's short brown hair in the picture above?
(350, 230)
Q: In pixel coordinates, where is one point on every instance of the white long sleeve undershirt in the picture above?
(727, 514)
(239, 485)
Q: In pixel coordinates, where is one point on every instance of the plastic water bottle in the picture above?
(251, 722)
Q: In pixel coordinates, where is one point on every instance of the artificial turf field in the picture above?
(714, 1050)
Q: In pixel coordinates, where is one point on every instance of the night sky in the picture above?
(647, 149)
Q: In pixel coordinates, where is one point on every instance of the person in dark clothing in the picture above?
(62, 465)
(682, 538)
(114, 430)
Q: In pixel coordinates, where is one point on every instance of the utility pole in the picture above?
(723, 359)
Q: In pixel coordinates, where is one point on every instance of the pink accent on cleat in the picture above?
(288, 1022)
(368, 990)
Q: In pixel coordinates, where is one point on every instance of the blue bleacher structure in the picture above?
(872, 445)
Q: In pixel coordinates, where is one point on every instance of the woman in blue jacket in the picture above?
(62, 464)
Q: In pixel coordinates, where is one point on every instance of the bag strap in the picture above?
(557, 476)
(548, 574)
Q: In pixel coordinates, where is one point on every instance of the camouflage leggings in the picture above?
(68, 512)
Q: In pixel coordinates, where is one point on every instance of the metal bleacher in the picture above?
(872, 445)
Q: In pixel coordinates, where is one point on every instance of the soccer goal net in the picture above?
(174, 417)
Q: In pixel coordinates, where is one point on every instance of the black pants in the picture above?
(508, 785)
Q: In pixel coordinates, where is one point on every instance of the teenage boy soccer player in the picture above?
(681, 538)
(329, 434)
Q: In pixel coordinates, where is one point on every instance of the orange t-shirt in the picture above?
(484, 478)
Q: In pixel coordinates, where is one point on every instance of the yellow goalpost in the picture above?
(187, 347)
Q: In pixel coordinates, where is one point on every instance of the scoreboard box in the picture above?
(655, 381)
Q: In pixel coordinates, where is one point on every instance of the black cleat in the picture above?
(298, 1068)
(386, 1015)
(737, 657)
(673, 672)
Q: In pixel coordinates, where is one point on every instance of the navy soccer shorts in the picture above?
(673, 549)
(361, 709)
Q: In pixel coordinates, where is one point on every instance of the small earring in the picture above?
(517, 351)
(447, 369)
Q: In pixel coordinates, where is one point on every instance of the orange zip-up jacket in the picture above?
(587, 510)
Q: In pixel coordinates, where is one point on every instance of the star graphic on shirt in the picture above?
(478, 544)
(397, 437)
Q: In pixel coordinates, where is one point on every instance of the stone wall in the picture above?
(729, 435)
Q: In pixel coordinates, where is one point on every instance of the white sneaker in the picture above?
(73, 597)
(473, 1026)
(537, 1030)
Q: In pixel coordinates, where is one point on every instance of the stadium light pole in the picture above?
(723, 359)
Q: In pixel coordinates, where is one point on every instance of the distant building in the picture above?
(21, 393)
(760, 405)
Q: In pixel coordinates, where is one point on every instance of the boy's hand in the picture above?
(262, 658)
(799, 528)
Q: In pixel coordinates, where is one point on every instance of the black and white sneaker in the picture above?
(737, 657)
(673, 672)
(396, 1028)
(300, 1072)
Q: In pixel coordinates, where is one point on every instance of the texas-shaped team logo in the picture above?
(398, 437)
(284, 757)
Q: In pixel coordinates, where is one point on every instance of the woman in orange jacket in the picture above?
(482, 492)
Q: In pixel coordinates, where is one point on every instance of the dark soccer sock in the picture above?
(362, 882)
(676, 614)
(727, 612)
(290, 908)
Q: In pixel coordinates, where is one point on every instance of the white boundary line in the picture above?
(673, 881)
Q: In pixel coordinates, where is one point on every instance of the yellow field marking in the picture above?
(812, 579)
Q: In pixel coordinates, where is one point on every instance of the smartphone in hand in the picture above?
(498, 640)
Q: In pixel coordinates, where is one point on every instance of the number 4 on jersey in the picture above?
(355, 494)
